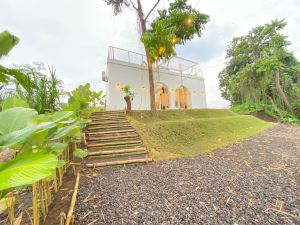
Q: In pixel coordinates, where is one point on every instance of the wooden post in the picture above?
(35, 207)
(73, 201)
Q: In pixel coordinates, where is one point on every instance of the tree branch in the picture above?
(152, 10)
(133, 5)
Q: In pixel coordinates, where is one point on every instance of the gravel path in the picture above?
(256, 181)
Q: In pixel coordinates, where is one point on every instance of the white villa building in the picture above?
(179, 83)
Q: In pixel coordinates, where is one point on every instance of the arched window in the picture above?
(162, 96)
(183, 98)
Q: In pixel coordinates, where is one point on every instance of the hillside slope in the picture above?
(179, 133)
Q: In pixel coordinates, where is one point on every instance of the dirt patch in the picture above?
(263, 116)
(62, 199)
(252, 182)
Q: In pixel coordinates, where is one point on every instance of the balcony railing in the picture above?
(176, 64)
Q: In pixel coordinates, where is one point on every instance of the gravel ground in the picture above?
(256, 181)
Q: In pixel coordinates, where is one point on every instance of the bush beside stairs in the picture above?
(111, 140)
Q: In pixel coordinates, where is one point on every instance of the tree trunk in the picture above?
(281, 92)
(151, 85)
(149, 61)
(275, 107)
(298, 79)
(128, 102)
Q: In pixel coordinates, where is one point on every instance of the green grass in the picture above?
(181, 133)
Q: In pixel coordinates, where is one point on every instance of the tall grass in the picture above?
(43, 92)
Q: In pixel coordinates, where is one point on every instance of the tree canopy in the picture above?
(261, 72)
(7, 42)
(173, 26)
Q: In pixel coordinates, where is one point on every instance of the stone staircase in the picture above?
(111, 140)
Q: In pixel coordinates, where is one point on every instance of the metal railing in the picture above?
(176, 64)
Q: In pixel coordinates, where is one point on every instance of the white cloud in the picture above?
(74, 35)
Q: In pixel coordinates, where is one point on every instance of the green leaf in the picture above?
(83, 122)
(16, 118)
(26, 169)
(79, 153)
(66, 131)
(7, 42)
(56, 116)
(14, 102)
(20, 136)
(60, 163)
(57, 147)
(62, 115)
(3, 78)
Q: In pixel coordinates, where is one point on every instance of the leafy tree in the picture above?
(261, 73)
(7, 43)
(83, 101)
(179, 23)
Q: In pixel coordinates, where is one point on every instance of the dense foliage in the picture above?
(35, 129)
(44, 91)
(262, 74)
(173, 26)
(83, 101)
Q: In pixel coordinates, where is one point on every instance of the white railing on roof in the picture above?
(176, 64)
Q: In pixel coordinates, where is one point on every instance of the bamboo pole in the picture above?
(55, 182)
(35, 204)
(73, 201)
(49, 196)
(60, 174)
(42, 201)
(66, 160)
(68, 155)
(9, 200)
(89, 165)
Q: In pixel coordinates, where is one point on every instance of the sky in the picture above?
(74, 35)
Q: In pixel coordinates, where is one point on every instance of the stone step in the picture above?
(104, 138)
(113, 143)
(109, 132)
(118, 151)
(121, 160)
(109, 127)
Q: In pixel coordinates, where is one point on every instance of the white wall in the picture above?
(136, 76)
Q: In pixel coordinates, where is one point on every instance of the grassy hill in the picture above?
(179, 133)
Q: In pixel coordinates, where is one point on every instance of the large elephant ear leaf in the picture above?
(20, 136)
(56, 147)
(12, 102)
(16, 118)
(79, 153)
(66, 131)
(56, 116)
(27, 169)
(83, 122)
